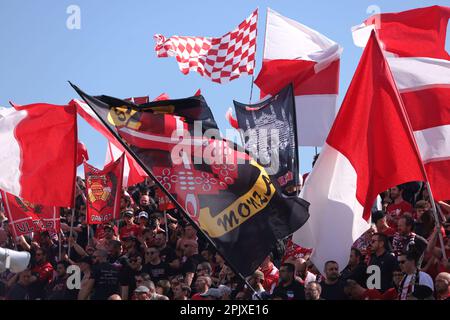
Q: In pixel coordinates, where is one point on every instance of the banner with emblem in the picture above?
(25, 217)
(103, 191)
(227, 194)
(270, 135)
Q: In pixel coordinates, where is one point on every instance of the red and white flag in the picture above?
(369, 149)
(38, 144)
(294, 53)
(25, 217)
(414, 43)
(220, 59)
(103, 191)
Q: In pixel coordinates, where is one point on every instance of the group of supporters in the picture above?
(158, 255)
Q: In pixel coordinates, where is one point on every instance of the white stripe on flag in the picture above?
(413, 74)
(336, 217)
(10, 152)
(434, 143)
(315, 115)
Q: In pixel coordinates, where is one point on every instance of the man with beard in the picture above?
(104, 280)
(42, 274)
(384, 259)
(58, 289)
(332, 285)
(147, 204)
(313, 291)
(288, 287)
(398, 207)
(405, 239)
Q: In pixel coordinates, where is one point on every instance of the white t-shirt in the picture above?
(424, 280)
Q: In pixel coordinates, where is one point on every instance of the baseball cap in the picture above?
(212, 292)
(128, 213)
(142, 289)
(143, 214)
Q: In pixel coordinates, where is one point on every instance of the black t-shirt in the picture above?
(58, 290)
(106, 278)
(18, 292)
(387, 263)
(359, 274)
(127, 278)
(157, 272)
(333, 291)
(294, 291)
(190, 265)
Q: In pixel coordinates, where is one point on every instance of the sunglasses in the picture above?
(401, 261)
(133, 260)
(151, 252)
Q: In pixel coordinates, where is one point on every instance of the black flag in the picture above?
(270, 135)
(225, 192)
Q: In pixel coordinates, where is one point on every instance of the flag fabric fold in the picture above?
(38, 145)
(219, 59)
(294, 53)
(414, 43)
(234, 203)
(346, 180)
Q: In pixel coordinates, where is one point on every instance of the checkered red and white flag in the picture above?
(219, 59)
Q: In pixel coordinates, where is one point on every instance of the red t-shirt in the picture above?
(374, 294)
(198, 297)
(131, 230)
(397, 210)
(271, 275)
(45, 272)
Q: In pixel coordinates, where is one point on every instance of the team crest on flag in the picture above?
(26, 217)
(103, 189)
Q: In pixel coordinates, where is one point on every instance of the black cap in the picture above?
(129, 213)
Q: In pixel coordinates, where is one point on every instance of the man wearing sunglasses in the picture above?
(384, 259)
(127, 276)
(154, 266)
(414, 279)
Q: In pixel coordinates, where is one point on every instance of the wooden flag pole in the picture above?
(165, 226)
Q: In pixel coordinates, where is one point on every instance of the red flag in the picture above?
(104, 189)
(369, 149)
(82, 153)
(38, 144)
(25, 217)
(164, 202)
(415, 42)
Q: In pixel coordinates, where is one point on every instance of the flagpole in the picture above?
(73, 217)
(59, 245)
(251, 89)
(165, 226)
(419, 156)
(169, 195)
(437, 220)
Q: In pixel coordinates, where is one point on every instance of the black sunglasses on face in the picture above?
(401, 261)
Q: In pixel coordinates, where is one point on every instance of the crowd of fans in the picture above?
(153, 255)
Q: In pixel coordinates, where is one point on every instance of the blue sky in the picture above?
(113, 51)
